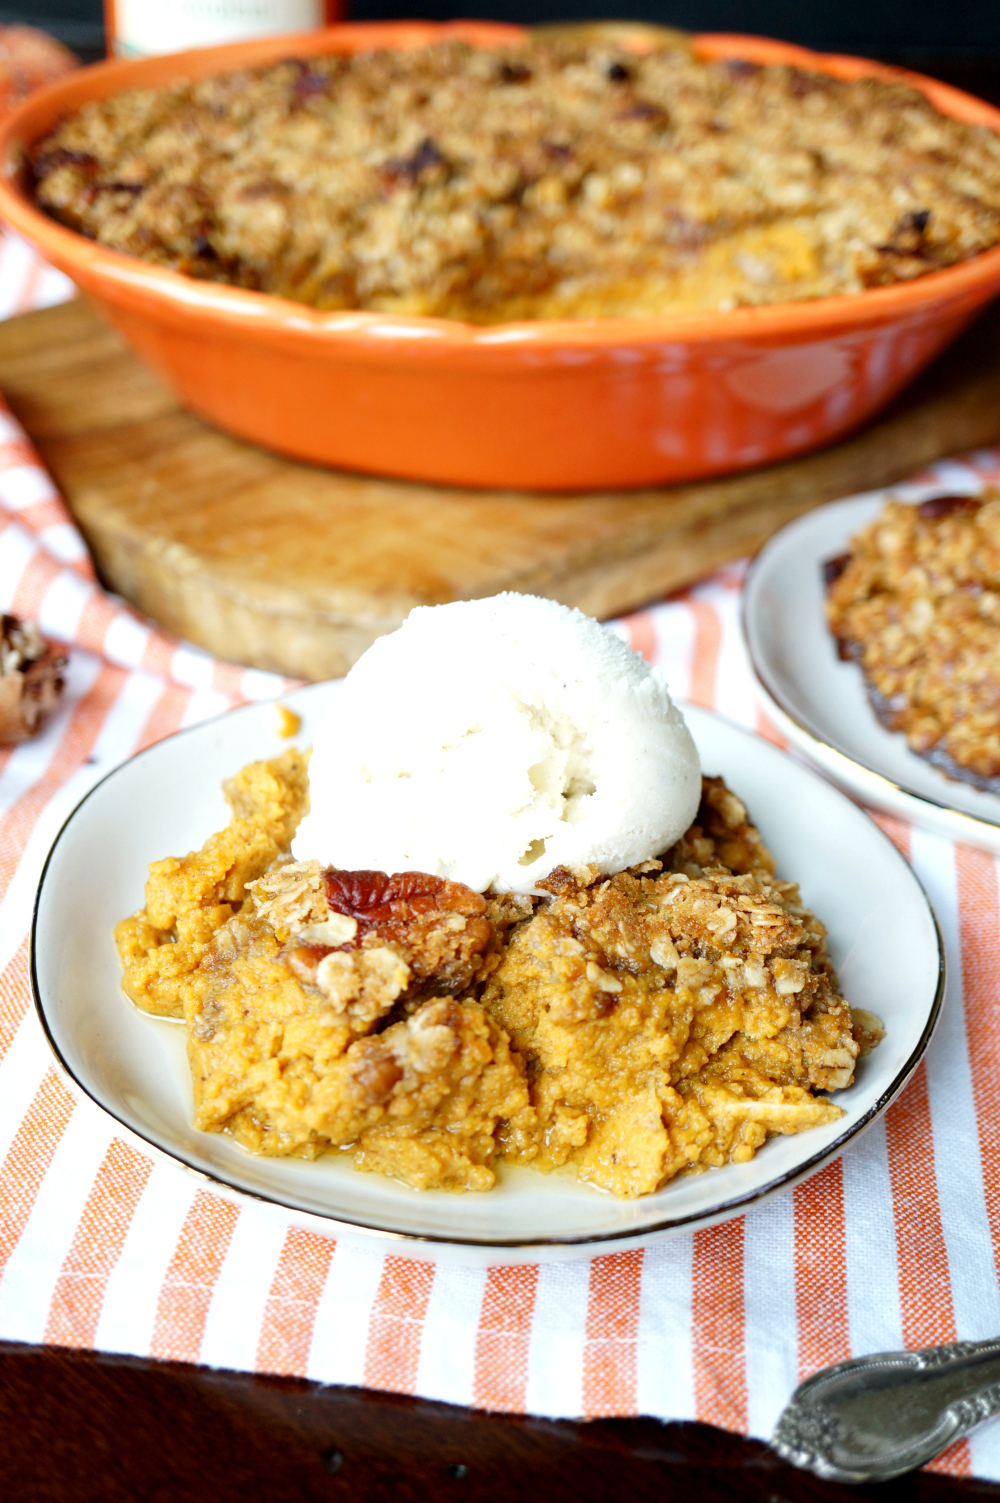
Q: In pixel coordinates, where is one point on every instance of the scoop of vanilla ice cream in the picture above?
(490, 741)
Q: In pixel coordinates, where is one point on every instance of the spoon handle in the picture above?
(875, 1417)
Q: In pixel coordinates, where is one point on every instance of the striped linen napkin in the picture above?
(26, 281)
(896, 1244)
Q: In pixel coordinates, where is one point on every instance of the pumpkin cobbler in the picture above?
(916, 603)
(661, 1020)
(555, 178)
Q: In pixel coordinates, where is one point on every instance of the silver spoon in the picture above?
(875, 1417)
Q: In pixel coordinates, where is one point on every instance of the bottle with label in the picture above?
(140, 28)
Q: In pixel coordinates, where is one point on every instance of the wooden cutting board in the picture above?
(284, 566)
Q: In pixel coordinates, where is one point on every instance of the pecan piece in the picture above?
(644, 109)
(833, 568)
(907, 238)
(374, 1072)
(400, 172)
(437, 930)
(31, 679)
(311, 81)
(514, 73)
(62, 156)
(739, 67)
(440, 928)
(945, 506)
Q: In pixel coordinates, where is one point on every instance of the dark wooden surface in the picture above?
(80, 1427)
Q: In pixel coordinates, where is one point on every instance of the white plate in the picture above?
(167, 800)
(820, 702)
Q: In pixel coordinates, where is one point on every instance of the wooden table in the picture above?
(80, 1427)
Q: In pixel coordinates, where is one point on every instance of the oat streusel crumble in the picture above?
(661, 1021)
(554, 179)
(916, 602)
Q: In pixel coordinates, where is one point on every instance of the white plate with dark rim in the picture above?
(166, 800)
(820, 703)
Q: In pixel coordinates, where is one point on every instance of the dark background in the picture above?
(919, 32)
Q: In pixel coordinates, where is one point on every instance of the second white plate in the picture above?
(820, 703)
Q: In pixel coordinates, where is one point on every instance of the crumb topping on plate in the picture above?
(916, 602)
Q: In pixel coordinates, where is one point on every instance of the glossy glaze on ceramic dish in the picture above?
(547, 405)
(883, 940)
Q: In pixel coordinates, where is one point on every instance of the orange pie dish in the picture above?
(773, 335)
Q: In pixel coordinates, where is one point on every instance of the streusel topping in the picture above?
(916, 602)
(552, 179)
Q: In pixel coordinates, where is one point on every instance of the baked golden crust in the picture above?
(554, 179)
(916, 603)
(664, 1020)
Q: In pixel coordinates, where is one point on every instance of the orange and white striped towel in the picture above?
(26, 281)
(897, 1243)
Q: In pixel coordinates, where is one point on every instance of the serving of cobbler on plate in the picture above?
(571, 948)
(659, 1021)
